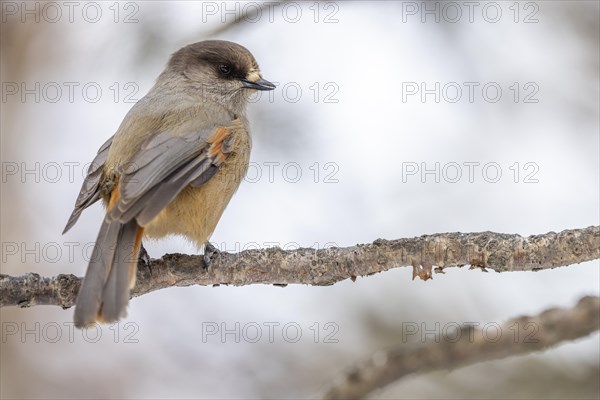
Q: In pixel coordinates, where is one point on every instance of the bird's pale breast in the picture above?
(194, 213)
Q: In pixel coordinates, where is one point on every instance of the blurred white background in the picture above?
(364, 130)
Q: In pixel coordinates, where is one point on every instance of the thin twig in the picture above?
(249, 15)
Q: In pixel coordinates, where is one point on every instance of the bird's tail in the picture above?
(104, 293)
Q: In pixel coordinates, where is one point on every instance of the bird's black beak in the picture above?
(261, 84)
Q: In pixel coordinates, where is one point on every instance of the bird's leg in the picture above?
(209, 252)
(144, 259)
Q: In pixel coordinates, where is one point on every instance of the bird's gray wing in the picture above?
(90, 190)
(163, 167)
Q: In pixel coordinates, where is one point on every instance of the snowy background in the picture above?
(346, 116)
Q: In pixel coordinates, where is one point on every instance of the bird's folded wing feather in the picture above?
(158, 172)
(90, 190)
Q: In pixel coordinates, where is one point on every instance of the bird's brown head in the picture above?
(221, 71)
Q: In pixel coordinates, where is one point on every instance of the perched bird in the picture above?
(171, 168)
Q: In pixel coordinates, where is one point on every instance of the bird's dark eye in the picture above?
(225, 69)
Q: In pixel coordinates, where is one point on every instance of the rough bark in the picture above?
(485, 250)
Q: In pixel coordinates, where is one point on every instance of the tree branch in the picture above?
(547, 329)
(249, 15)
(486, 250)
